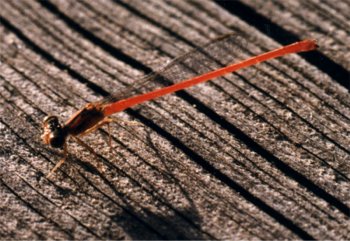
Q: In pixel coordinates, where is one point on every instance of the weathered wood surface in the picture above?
(263, 154)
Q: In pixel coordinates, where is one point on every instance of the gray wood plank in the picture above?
(260, 154)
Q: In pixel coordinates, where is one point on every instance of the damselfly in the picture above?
(94, 115)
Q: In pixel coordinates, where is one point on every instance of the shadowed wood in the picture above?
(260, 154)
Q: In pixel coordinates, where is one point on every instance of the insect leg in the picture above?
(65, 153)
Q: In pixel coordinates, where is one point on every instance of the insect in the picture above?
(94, 115)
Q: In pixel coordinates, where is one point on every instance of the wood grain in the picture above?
(260, 154)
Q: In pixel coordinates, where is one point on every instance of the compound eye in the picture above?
(51, 120)
(53, 134)
(48, 117)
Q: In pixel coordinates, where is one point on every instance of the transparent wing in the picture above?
(211, 56)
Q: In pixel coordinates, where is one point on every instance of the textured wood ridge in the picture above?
(261, 154)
